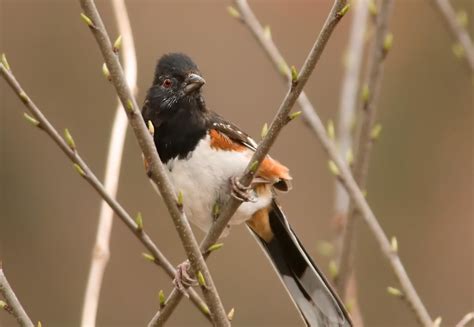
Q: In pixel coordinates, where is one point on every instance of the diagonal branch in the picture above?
(12, 306)
(39, 120)
(101, 251)
(377, 54)
(457, 29)
(345, 176)
(156, 169)
(281, 118)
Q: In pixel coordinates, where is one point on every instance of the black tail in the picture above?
(310, 291)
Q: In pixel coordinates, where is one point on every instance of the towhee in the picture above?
(204, 155)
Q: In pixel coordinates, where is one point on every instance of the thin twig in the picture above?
(101, 252)
(42, 122)
(156, 169)
(457, 29)
(466, 320)
(347, 113)
(264, 39)
(349, 94)
(12, 305)
(377, 54)
(280, 120)
(346, 178)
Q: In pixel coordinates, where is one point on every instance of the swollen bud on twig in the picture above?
(344, 10)
(215, 247)
(349, 157)
(117, 44)
(148, 257)
(79, 170)
(372, 8)
(388, 42)
(3, 305)
(349, 305)
(331, 130)
(205, 309)
(139, 221)
(69, 140)
(394, 291)
(333, 269)
(267, 32)
(151, 128)
(325, 248)
(31, 120)
(106, 72)
(394, 244)
(216, 210)
(294, 75)
(253, 167)
(264, 131)
(333, 168)
(180, 199)
(129, 105)
(233, 12)
(24, 97)
(375, 132)
(437, 322)
(231, 314)
(162, 299)
(87, 20)
(458, 50)
(200, 278)
(294, 115)
(365, 93)
(5, 62)
(462, 18)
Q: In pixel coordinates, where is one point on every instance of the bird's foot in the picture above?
(241, 192)
(183, 280)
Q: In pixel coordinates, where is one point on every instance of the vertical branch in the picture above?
(101, 252)
(349, 93)
(282, 117)
(157, 172)
(378, 52)
(457, 29)
(347, 112)
(12, 306)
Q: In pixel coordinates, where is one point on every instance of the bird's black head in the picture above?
(176, 85)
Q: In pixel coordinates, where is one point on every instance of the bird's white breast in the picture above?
(204, 176)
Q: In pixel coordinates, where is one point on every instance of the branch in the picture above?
(347, 180)
(466, 320)
(101, 252)
(347, 113)
(156, 169)
(70, 150)
(377, 54)
(457, 29)
(350, 94)
(281, 118)
(13, 306)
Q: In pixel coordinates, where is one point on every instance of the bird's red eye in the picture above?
(167, 83)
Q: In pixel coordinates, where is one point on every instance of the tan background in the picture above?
(420, 185)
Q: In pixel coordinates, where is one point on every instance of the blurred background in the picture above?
(420, 180)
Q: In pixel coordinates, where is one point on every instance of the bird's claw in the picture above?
(183, 280)
(241, 192)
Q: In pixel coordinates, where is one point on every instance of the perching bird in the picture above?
(204, 154)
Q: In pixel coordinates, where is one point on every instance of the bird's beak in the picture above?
(193, 82)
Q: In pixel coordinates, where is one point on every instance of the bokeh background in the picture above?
(420, 183)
